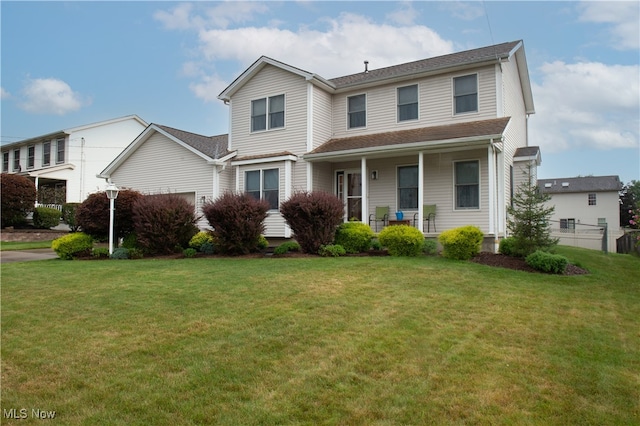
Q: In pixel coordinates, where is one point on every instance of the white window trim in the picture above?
(453, 95)
(64, 144)
(262, 170)
(397, 189)
(366, 109)
(267, 128)
(43, 152)
(413, 120)
(467, 209)
(32, 166)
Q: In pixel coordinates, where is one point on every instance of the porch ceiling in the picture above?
(452, 136)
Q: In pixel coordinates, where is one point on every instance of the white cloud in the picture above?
(623, 16)
(586, 105)
(50, 96)
(184, 17)
(467, 11)
(208, 87)
(4, 94)
(406, 15)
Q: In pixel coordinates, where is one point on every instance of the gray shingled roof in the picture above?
(580, 184)
(470, 129)
(498, 51)
(527, 151)
(212, 146)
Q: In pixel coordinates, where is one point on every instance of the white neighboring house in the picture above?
(67, 161)
(583, 205)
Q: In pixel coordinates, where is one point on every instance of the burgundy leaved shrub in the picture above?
(237, 221)
(92, 215)
(164, 223)
(313, 217)
(18, 198)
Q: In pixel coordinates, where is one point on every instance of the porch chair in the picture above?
(429, 215)
(381, 215)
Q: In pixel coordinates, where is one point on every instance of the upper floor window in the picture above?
(407, 187)
(467, 184)
(5, 161)
(466, 93)
(60, 151)
(271, 107)
(263, 185)
(16, 160)
(357, 110)
(31, 157)
(408, 103)
(592, 199)
(46, 153)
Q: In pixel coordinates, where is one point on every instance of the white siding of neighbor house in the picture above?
(435, 104)
(154, 167)
(271, 81)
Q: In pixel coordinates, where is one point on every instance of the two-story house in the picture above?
(582, 208)
(64, 164)
(449, 131)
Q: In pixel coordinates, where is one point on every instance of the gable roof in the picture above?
(430, 66)
(212, 149)
(528, 153)
(420, 138)
(580, 184)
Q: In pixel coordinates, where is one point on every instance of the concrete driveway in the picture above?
(27, 255)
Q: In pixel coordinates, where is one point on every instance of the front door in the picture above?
(349, 186)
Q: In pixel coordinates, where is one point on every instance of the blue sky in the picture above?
(66, 64)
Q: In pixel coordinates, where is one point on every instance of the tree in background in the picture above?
(18, 198)
(629, 201)
(529, 220)
(92, 216)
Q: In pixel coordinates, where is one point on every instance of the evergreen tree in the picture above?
(528, 220)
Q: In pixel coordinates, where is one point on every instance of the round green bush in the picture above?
(355, 237)
(263, 243)
(402, 240)
(46, 217)
(207, 248)
(287, 247)
(547, 262)
(120, 253)
(130, 241)
(507, 246)
(72, 245)
(190, 252)
(332, 250)
(199, 239)
(461, 243)
(430, 247)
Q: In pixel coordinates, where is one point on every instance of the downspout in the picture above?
(364, 179)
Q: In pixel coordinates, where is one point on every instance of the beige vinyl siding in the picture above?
(322, 125)
(271, 81)
(152, 168)
(323, 178)
(435, 104)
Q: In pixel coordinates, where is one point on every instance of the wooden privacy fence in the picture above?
(628, 243)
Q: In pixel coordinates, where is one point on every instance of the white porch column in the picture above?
(365, 190)
(420, 191)
(501, 194)
(287, 192)
(309, 176)
(491, 187)
(237, 179)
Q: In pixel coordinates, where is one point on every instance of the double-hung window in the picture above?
(408, 103)
(466, 93)
(16, 160)
(267, 113)
(46, 153)
(31, 156)
(357, 111)
(467, 184)
(5, 161)
(568, 225)
(592, 199)
(263, 185)
(60, 151)
(408, 187)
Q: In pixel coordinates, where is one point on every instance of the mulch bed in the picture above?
(518, 264)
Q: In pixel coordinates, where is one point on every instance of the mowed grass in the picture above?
(307, 341)
(24, 245)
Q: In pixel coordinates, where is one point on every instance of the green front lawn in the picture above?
(353, 341)
(24, 245)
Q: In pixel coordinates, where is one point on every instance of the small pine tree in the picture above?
(528, 220)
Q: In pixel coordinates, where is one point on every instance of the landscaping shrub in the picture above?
(507, 246)
(120, 253)
(199, 239)
(69, 215)
(135, 253)
(375, 244)
(430, 247)
(190, 252)
(18, 199)
(263, 243)
(163, 223)
(207, 248)
(461, 243)
(72, 245)
(355, 237)
(46, 217)
(100, 253)
(287, 247)
(237, 221)
(402, 240)
(331, 250)
(130, 241)
(313, 218)
(547, 262)
(92, 215)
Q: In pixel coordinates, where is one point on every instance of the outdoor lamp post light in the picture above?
(112, 194)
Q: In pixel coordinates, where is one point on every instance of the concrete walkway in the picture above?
(27, 255)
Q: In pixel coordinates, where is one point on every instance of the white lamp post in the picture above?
(112, 194)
